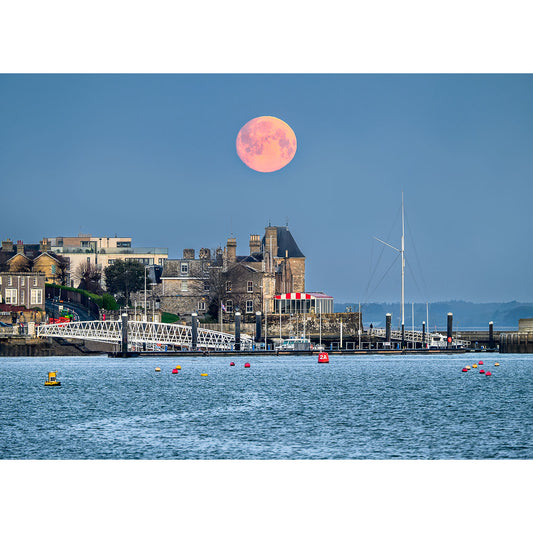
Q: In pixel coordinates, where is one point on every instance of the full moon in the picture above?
(266, 144)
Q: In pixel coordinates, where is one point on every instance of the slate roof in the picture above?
(286, 242)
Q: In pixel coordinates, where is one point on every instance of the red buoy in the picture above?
(323, 357)
(174, 370)
(481, 371)
(488, 373)
(480, 363)
(465, 370)
(246, 365)
(232, 364)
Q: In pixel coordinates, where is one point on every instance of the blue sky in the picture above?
(153, 157)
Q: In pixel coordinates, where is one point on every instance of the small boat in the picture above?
(294, 344)
(437, 341)
(52, 380)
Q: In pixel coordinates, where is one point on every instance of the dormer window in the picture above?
(185, 268)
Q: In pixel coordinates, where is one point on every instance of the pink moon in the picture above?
(266, 144)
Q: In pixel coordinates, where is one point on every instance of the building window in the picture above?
(11, 296)
(88, 260)
(22, 281)
(206, 286)
(36, 296)
(249, 306)
(160, 261)
(184, 268)
(250, 286)
(10, 282)
(110, 261)
(123, 244)
(184, 285)
(229, 306)
(22, 298)
(53, 269)
(228, 286)
(201, 306)
(35, 282)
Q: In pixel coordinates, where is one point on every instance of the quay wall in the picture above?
(48, 347)
(516, 342)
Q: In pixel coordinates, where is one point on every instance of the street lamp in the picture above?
(144, 309)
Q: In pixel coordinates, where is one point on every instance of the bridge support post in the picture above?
(388, 318)
(257, 326)
(424, 335)
(194, 332)
(491, 335)
(449, 331)
(238, 331)
(124, 332)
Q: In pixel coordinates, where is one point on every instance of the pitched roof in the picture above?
(286, 243)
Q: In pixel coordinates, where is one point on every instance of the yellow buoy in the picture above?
(203, 374)
(467, 367)
(157, 369)
(496, 364)
(52, 380)
(474, 366)
(178, 367)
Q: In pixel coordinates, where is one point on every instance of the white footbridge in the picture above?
(152, 336)
(411, 336)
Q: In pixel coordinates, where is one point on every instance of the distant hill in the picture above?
(466, 315)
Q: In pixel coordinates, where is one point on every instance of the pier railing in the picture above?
(153, 335)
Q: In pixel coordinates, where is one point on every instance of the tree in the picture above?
(217, 291)
(124, 277)
(89, 277)
(62, 269)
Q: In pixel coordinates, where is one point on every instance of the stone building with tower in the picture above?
(224, 280)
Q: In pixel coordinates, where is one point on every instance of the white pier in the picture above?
(154, 335)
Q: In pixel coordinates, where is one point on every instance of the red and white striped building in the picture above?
(303, 302)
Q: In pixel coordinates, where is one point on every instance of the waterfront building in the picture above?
(301, 302)
(33, 258)
(22, 290)
(186, 282)
(102, 252)
(221, 280)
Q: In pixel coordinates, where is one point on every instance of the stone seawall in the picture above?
(24, 347)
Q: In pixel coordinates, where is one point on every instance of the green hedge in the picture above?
(169, 318)
(106, 301)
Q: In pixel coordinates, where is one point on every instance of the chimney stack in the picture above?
(255, 244)
(44, 245)
(20, 247)
(231, 250)
(7, 245)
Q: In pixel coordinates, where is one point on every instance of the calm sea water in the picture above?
(355, 407)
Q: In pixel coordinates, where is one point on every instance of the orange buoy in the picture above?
(496, 364)
(474, 365)
(488, 373)
(323, 357)
(246, 365)
(481, 371)
(174, 370)
(232, 364)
